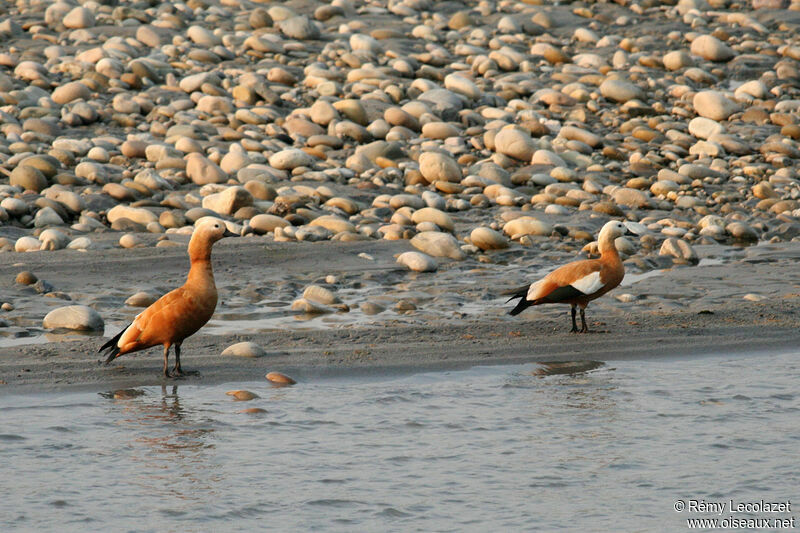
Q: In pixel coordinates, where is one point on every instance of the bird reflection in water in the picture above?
(568, 385)
(580, 387)
(552, 368)
(170, 443)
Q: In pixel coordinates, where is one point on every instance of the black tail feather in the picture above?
(111, 347)
(519, 292)
(522, 305)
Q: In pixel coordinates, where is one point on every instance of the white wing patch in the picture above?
(123, 338)
(534, 290)
(588, 284)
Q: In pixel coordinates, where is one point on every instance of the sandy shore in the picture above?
(490, 139)
(459, 321)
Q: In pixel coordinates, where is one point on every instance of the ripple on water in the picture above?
(787, 397)
(334, 502)
(60, 429)
(48, 407)
(391, 512)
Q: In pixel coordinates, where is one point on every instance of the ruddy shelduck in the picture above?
(579, 282)
(181, 312)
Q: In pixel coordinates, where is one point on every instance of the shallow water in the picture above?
(539, 447)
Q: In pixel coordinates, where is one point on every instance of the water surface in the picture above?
(584, 447)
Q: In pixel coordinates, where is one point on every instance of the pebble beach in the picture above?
(391, 168)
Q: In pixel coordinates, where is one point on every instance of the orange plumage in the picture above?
(579, 282)
(179, 313)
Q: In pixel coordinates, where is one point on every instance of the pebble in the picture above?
(299, 27)
(278, 378)
(437, 244)
(436, 166)
(131, 240)
(620, 90)
(628, 197)
(265, 223)
(253, 411)
(80, 243)
(463, 86)
(515, 142)
(47, 216)
(242, 395)
(28, 178)
(309, 307)
(430, 214)
(488, 239)
(705, 128)
(526, 225)
(290, 159)
(677, 59)
(229, 201)
(74, 317)
(741, 232)
(27, 244)
(418, 262)
(141, 299)
(244, 349)
(711, 48)
(714, 105)
(333, 224)
(26, 278)
(53, 239)
(321, 295)
(372, 308)
(139, 215)
(203, 171)
(679, 249)
(70, 92)
(78, 18)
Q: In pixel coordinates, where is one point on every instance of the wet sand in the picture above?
(459, 318)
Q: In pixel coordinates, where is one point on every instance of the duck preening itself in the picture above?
(181, 312)
(579, 282)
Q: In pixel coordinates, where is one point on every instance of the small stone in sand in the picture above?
(26, 278)
(418, 262)
(141, 299)
(244, 349)
(280, 379)
(75, 317)
(242, 395)
(253, 411)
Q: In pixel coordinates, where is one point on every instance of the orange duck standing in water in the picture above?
(579, 282)
(181, 312)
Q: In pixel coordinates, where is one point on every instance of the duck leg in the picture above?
(574, 324)
(584, 327)
(166, 359)
(177, 370)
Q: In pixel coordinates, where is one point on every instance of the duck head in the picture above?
(610, 231)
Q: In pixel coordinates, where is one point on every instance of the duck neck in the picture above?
(200, 273)
(608, 249)
(200, 257)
